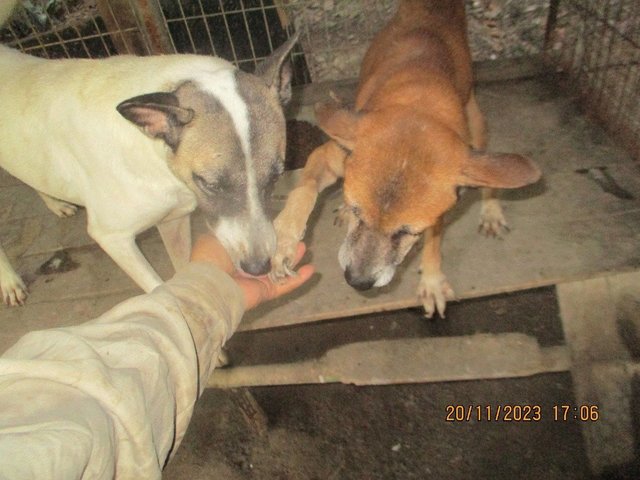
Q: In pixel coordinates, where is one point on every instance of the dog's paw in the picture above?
(282, 261)
(342, 215)
(492, 221)
(60, 207)
(434, 291)
(14, 292)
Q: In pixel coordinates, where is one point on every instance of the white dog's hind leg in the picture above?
(124, 251)
(176, 236)
(13, 289)
(59, 207)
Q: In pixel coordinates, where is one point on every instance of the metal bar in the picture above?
(552, 20)
(228, 31)
(206, 26)
(72, 27)
(120, 19)
(246, 25)
(183, 19)
(152, 25)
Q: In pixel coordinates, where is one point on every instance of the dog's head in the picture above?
(401, 176)
(226, 135)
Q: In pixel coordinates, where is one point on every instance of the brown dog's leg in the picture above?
(324, 166)
(492, 221)
(434, 289)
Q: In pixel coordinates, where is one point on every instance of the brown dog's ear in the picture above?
(339, 123)
(159, 115)
(276, 72)
(498, 170)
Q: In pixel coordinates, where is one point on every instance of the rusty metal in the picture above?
(152, 25)
(122, 24)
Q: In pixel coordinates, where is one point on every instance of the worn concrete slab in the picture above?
(601, 317)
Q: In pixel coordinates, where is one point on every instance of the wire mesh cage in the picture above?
(597, 44)
(242, 31)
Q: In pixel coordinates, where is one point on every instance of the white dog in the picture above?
(140, 141)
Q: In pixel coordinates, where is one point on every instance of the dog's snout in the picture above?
(358, 283)
(256, 267)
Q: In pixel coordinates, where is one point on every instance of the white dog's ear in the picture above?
(276, 72)
(159, 115)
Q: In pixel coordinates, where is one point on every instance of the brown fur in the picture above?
(403, 151)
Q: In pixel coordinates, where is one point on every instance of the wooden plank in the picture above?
(408, 360)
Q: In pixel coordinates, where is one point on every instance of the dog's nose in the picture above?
(257, 267)
(358, 283)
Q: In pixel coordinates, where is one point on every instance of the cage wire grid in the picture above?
(595, 42)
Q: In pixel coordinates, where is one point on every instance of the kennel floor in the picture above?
(581, 221)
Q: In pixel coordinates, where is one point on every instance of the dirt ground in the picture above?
(394, 432)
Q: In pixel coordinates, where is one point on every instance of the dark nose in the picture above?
(358, 283)
(256, 267)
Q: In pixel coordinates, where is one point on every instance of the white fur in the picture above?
(61, 134)
(225, 89)
(236, 234)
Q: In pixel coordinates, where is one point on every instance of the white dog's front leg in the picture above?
(13, 290)
(59, 207)
(125, 252)
(176, 236)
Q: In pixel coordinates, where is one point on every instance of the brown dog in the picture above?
(416, 135)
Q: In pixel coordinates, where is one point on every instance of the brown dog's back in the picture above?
(424, 44)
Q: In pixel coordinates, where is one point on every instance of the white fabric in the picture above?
(112, 398)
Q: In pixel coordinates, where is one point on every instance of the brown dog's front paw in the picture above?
(434, 291)
(343, 215)
(492, 221)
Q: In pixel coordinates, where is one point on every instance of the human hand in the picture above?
(256, 290)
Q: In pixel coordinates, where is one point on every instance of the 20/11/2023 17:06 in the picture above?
(520, 413)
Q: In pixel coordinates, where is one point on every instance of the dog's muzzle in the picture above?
(359, 283)
(256, 266)
(250, 243)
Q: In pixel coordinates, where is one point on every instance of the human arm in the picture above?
(114, 396)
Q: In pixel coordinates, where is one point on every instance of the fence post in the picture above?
(137, 26)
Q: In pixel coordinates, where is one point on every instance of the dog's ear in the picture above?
(337, 122)
(498, 170)
(159, 115)
(276, 73)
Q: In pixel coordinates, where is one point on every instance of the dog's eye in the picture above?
(275, 173)
(402, 232)
(220, 185)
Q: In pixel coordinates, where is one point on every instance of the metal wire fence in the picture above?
(242, 31)
(596, 42)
